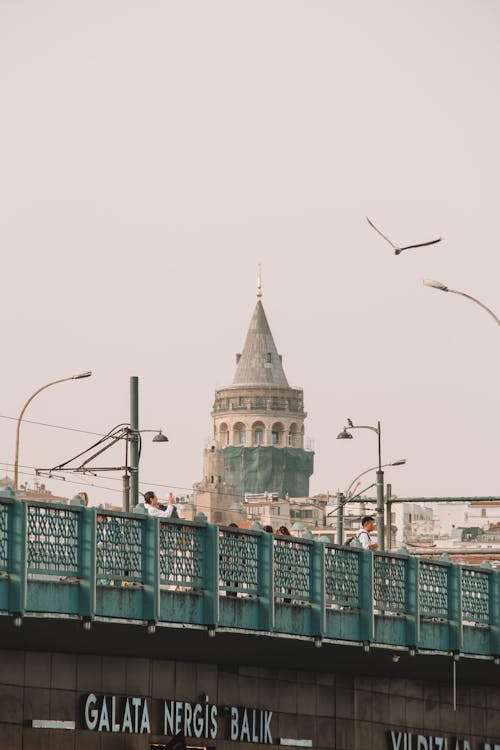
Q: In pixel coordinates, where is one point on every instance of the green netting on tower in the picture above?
(269, 469)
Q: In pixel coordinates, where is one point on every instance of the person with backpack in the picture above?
(363, 535)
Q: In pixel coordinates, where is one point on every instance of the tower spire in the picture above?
(259, 282)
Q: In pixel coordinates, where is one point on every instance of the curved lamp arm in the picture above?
(444, 288)
(19, 420)
(400, 462)
(350, 426)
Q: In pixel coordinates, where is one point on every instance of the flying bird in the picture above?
(397, 249)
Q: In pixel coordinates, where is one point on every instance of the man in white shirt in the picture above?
(363, 535)
(153, 508)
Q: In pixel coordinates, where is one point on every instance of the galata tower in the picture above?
(259, 420)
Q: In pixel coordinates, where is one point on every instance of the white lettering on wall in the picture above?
(145, 727)
(234, 723)
(213, 722)
(111, 713)
(92, 714)
(168, 718)
(127, 718)
(104, 719)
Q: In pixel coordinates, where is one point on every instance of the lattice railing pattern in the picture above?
(292, 564)
(238, 562)
(389, 583)
(475, 596)
(52, 540)
(433, 589)
(181, 555)
(342, 576)
(119, 548)
(4, 532)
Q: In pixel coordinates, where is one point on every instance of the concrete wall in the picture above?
(334, 711)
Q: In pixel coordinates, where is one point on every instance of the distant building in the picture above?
(38, 492)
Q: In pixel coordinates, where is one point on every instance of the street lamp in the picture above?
(345, 435)
(444, 288)
(54, 382)
(346, 496)
(131, 434)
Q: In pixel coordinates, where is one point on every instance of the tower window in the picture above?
(268, 357)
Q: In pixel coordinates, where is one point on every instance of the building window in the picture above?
(268, 357)
(241, 401)
(258, 436)
(275, 437)
(241, 435)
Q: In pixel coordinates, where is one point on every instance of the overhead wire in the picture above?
(55, 426)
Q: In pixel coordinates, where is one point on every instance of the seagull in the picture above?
(398, 250)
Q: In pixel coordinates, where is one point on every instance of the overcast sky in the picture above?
(153, 152)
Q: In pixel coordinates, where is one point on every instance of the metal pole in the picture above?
(126, 479)
(126, 492)
(380, 510)
(388, 524)
(380, 495)
(340, 519)
(134, 441)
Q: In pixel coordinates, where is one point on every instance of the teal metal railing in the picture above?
(72, 561)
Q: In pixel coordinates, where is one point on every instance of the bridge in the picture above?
(62, 562)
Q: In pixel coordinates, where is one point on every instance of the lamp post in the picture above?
(131, 484)
(18, 427)
(345, 497)
(345, 435)
(444, 288)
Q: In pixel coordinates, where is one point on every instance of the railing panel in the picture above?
(475, 596)
(433, 589)
(342, 576)
(52, 540)
(4, 535)
(292, 569)
(119, 547)
(238, 562)
(389, 583)
(181, 555)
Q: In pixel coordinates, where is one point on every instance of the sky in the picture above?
(153, 153)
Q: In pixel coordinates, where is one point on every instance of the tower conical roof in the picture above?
(260, 363)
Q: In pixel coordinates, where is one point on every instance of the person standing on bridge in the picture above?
(155, 509)
(363, 535)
